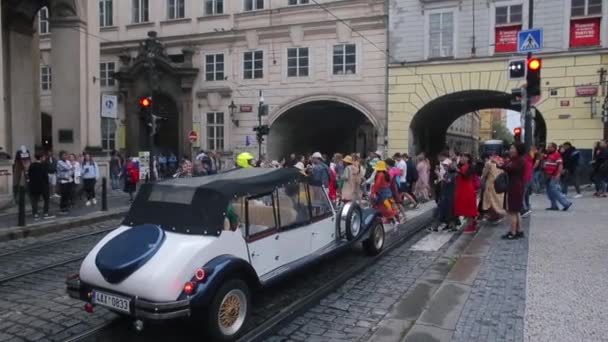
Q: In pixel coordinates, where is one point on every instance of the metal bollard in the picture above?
(21, 217)
(104, 194)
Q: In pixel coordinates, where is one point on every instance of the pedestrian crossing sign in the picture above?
(530, 40)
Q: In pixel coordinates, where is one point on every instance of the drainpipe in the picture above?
(473, 48)
(388, 60)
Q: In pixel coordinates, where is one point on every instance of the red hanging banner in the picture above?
(585, 32)
(506, 38)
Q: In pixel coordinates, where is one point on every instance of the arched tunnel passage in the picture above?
(324, 126)
(430, 124)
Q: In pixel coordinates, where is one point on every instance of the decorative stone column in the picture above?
(76, 95)
(22, 97)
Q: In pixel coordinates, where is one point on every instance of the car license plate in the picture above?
(111, 301)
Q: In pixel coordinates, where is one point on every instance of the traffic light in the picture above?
(533, 76)
(517, 69)
(263, 110)
(517, 134)
(518, 98)
(145, 102)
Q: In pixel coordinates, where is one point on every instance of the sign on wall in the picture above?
(585, 32)
(506, 38)
(586, 91)
(109, 106)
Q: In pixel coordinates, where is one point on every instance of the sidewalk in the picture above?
(550, 286)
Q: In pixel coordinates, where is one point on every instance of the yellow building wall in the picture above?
(412, 87)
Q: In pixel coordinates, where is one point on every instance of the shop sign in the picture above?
(506, 38)
(585, 32)
(586, 91)
(246, 108)
(564, 103)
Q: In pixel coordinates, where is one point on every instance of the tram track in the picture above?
(30, 259)
(267, 320)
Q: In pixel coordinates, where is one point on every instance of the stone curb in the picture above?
(42, 228)
(399, 327)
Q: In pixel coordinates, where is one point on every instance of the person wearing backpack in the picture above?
(600, 169)
(131, 176)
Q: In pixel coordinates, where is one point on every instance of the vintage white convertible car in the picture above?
(198, 247)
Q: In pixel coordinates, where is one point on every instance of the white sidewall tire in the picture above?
(377, 237)
(354, 222)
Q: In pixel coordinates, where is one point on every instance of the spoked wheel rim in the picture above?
(355, 224)
(232, 313)
(378, 237)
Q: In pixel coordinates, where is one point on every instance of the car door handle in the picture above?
(276, 257)
(276, 237)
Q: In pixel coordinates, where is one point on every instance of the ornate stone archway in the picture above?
(152, 72)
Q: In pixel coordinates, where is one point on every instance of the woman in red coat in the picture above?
(466, 196)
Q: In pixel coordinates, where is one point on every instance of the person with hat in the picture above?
(319, 171)
(351, 181)
(381, 193)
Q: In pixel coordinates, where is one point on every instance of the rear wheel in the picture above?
(229, 310)
(375, 243)
(352, 217)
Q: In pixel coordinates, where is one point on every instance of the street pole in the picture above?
(151, 125)
(259, 135)
(528, 134)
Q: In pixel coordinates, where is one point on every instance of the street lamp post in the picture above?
(260, 135)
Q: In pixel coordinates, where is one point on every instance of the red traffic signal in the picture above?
(534, 64)
(145, 102)
(517, 131)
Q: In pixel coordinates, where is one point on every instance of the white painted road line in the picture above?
(432, 242)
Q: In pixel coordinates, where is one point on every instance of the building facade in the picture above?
(449, 58)
(488, 118)
(320, 66)
(464, 134)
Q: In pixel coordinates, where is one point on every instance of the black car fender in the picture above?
(370, 215)
(217, 271)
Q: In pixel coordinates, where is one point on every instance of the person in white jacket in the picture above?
(90, 174)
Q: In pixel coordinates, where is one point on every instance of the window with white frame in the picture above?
(214, 7)
(583, 8)
(43, 21)
(508, 20)
(108, 134)
(509, 15)
(297, 2)
(105, 13)
(141, 11)
(441, 35)
(585, 23)
(106, 74)
(345, 59)
(176, 9)
(46, 81)
(254, 5)
(214, 67)
(297, 62)
(253, 65)
(215, 131)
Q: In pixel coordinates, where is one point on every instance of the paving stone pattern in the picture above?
(46, 255)
(37, 308)
(355, 309)
(495, 308)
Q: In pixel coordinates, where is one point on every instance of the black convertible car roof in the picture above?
(198, 205)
